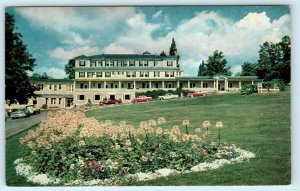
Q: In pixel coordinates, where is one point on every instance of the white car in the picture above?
(168, 96)
(33, 109)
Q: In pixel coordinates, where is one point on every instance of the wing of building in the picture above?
(120, 76)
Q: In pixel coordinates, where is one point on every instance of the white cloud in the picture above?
(236, 69)
(157, 14)
(53, 72)
(66, 54)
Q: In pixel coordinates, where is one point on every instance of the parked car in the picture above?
(110, 101)
(33, 109)
(168, 96)
(142, 99)
(19, 113)
(196, 94)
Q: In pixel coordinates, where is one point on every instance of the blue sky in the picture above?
(56, 34)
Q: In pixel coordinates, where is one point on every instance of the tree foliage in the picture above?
(18, 61)
(173, 49)
(249, 69)
(214, 65)
(36, 76)
(70, 69)
(163, 54)
(274, 60)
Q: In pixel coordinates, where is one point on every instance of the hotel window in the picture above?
(97, 97)
(140, 63)
(90, 74)
(146, 74)
(171, 74)
(99, 85)
(141, 74)
(167, 74)
(131, 63)
(112, 63)
(230, 85)
(81, 97)
(156, 74)
(155, 63)
(146, 63)
(119, 63)
(99, 74)
(59, 101)
(205, 85)
(55, 87)
(127, 97)
(53, 101)
(133, 74)
(125, 63)
(169, 63)
(69, 87)
(106, 63)
(81, 63)
(192, 84)
(122, 62)
(50, 86)
(107, 74)
(81, 85)
(59, 86)
(41, 86)
(93, 64)
(81, 74)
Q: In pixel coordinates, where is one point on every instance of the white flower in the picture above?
(219, 124)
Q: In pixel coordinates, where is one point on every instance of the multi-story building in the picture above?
(120, 76)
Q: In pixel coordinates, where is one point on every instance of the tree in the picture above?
(215, 65)
(201, 70)
(18, 61)
(249, 69)
(70, 69)
(274, 60)
(173, 49)
(36, 76)
(163, 54)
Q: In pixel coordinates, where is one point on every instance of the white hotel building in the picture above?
(120, 76)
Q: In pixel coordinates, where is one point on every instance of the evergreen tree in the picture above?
(173, 49)
(18, 61)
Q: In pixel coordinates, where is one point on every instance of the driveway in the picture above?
(15, 126)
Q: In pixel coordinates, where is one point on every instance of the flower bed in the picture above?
(71, 149)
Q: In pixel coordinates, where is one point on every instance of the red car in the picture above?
(142, 99)
(196, 94)
(111, 101)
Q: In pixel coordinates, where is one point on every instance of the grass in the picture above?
(258, 123)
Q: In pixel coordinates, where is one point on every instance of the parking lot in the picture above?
(17, 125)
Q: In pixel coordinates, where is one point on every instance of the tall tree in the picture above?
(216, 65)
(18, 61)
(173, 49)
(70, 69)
(201, 70)
(274, 60)
(249, 69)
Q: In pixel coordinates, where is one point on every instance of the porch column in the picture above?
(163, 84)
(134, 85)
(119, 84)
(252, 82)
(89, 84)
(189, 84)
(177, 83)
(240, 84)
(104, 85)
(150, 85)
(214, 84)
(201, 84)
(226, 85)
(217, 85)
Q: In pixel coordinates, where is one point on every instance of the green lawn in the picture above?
(258, 123)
